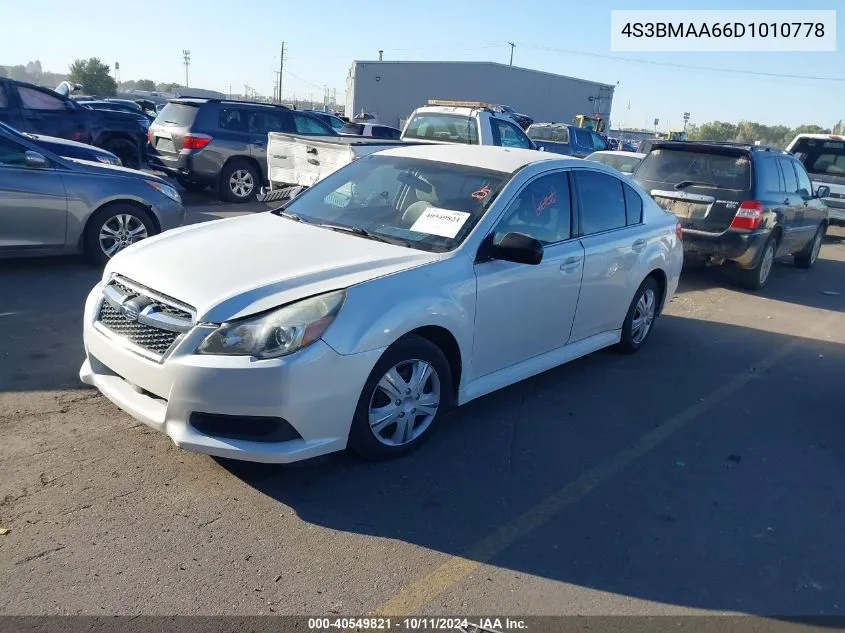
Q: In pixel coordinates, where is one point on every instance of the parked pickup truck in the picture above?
(823, 156)
(30, 108)
(295, 162)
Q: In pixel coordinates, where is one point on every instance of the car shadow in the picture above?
(738, 510)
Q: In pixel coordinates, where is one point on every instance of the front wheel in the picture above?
(403, 398)
(640, 317)
(807, 258)
(113, 228)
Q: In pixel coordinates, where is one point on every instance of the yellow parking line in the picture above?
(412, 598)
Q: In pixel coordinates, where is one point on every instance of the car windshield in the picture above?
(696, 168)
(449, 128)
(823, 159)
(421, 204)
(624, 163)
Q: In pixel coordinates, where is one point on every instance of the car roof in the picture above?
(824, 137)
(617, 152)
(504, 159)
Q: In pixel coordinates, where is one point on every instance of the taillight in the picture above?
(150, 136)
(748, 216)
(679, 231)
(195, 141)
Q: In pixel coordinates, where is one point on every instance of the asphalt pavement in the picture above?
(701, 475)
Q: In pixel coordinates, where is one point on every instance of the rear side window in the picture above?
(633, 205)
(805, 187)
(32, 99)
(602, 202)
(768, 177)
(448, 128)
(788, 175)
(233, 119)
(177, 114)
(701, 169)
(266, 122)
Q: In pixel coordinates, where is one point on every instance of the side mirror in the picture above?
(35, 160)
(822, 191)
(518, 248)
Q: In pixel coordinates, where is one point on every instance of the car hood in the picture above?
(226, 269)
(63, 142)
(114, 170)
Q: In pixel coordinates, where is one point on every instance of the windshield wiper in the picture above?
(687, 183)
(289, 216)
(357, 230)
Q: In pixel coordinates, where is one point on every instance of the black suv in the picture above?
(222, 143)
(30, 108)
(745, 204)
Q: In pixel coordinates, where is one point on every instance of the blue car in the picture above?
(68, 149)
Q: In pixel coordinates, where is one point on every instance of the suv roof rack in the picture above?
(749, 146)
(452, 103)
(237, 101)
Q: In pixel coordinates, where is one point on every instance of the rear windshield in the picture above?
(177, 114)
(447, 128)
(821, 157)
(553, 134)
(700, 169)
(624, 163)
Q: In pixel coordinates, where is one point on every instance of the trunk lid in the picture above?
(702, 186)
(167, 132)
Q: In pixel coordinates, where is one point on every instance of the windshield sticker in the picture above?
(481, 193)
(442, 222)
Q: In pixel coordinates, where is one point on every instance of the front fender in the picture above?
(377, 313)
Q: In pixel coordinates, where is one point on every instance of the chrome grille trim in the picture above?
(147, 322)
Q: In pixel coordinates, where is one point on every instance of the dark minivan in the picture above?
(744, 204)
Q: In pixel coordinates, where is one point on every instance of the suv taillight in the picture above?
(679, 230)
(150, 136)
(195, 141)
(748, 216)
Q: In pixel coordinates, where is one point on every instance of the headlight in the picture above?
(108, 160)
(276, 333)
(167, 190)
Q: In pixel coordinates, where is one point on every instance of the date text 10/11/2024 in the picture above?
(463, 625)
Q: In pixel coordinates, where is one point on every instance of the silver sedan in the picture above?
(50, 205)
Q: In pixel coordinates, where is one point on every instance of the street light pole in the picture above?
(186, 56)
(511, 44)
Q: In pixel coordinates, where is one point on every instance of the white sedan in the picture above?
(408, 281)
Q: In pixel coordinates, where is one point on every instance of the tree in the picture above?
(146, 84)
(3, 72)
(168, 87)
(94, 77)
(839, 128)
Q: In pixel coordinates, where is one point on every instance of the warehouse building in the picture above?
(392, 90)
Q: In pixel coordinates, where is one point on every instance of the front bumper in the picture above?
(742, 248)
(315, 390)
(170, 214)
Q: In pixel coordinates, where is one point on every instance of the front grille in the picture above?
(145, 336)
(142, 317)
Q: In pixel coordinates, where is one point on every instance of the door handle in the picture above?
(570, 263)
(638, 245)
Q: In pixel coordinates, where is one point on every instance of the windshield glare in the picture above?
(625, 164)
(423, 204)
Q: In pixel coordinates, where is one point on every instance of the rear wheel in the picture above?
(113, 228)
(755, 278)
(807, 258)
(239, 181)
(125, 150)
(640, 318)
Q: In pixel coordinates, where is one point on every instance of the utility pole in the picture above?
(281, 70)
(246, 91)
(686, 120)
(186, 56)
(511, 44)
(277, 80)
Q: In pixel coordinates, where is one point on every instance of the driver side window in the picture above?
(542, 210)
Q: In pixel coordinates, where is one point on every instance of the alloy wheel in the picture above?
(120, 231)
(643, 316)
(766, 264)
(241, 183)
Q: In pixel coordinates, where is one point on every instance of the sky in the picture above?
(237, 42)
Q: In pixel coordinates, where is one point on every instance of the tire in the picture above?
(400, 359)
(243, 172)
(135, 222)
(807, 258)
(757, 277)
(645, 305)
(191, 185)
(125, 150)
